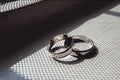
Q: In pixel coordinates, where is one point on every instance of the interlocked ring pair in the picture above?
(69, 44)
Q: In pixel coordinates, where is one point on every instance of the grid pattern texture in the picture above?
(104, 30)
(16, 4)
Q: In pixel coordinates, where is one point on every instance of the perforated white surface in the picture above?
(104, 30)
(16, 4)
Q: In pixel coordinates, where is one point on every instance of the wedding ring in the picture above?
(68, 48)
(82, 44)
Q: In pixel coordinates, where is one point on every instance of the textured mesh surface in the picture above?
(104, 30)
(11, 5)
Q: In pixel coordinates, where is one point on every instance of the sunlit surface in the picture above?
(104, 30)
(16, 4)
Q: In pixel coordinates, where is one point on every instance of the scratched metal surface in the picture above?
(104, 30)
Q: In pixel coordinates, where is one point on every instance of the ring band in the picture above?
(56, 39)
(82, 39)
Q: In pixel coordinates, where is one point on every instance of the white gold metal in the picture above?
(83, 39)
(68, 48)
